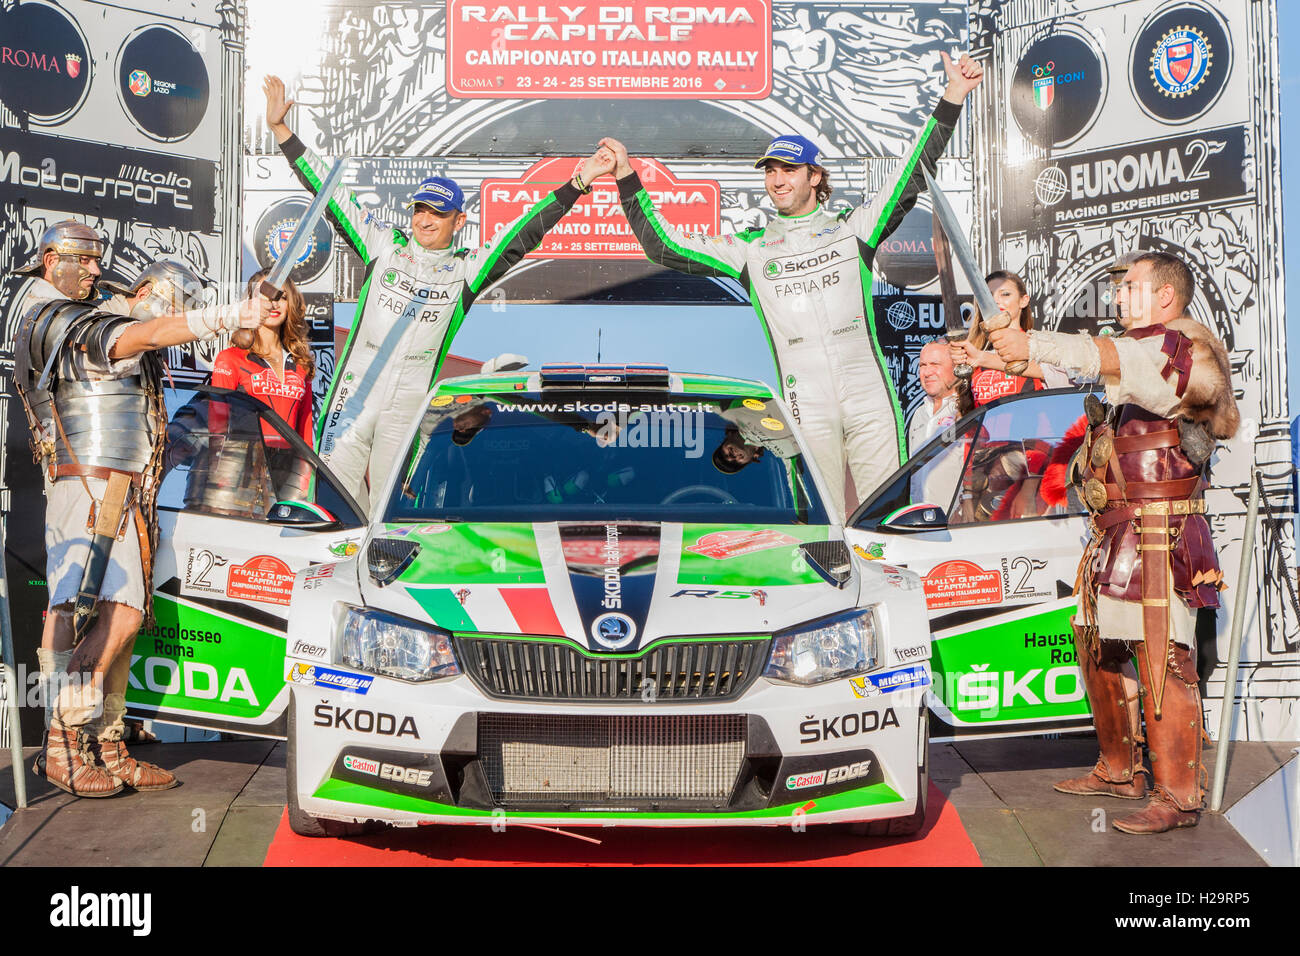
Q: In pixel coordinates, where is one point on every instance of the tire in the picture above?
(912, 824)
(301, 822)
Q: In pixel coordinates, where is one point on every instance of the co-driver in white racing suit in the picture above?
(417, 289)
(808, 273)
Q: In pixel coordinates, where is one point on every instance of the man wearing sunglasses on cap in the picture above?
(808, 273)
(418, 286)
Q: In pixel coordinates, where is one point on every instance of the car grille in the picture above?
(512, 669)
(605, 761)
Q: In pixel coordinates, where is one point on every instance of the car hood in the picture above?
(610, 586)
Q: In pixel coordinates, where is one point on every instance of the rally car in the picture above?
(251, 520)
(597, 595)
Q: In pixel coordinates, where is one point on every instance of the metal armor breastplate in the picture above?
(105, 423)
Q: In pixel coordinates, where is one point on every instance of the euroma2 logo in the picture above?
(81, 909)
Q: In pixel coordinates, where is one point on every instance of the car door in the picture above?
(985, 515)
(243, 505)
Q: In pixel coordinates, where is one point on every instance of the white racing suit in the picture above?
(809, 279)
(410, 307)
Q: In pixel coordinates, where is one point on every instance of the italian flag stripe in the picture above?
(443, 608)
(533, 611)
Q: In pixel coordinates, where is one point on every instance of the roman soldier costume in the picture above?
(1150, 563)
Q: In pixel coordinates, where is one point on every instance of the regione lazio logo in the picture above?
(139, 84)
(1181, 61)
(1044, 85)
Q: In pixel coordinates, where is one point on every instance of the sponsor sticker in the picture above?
(328, 677)
(441, 401)
(361, 765)
(730, 544)
(344, 549)
(263, 578)
(754, 404)
(961, 583)
(875, 551)
(800, 781)
(873, 685)
(772, 424)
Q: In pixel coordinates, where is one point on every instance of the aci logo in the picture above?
(1181, 61)
(139, 83)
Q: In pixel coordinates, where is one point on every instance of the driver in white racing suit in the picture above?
(808, 273)
(412, 303)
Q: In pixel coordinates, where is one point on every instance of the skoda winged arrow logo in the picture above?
(613, 631)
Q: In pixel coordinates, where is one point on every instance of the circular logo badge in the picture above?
(44, 63)
(753, 404)
(1180, 63)
(789, 381)
(613, 631)
(906, 258)
(1057, 89)
(274, 229)
(772, 269)
(162, 83)
(772, 424)
(901, 315)
(1050, 186)
(441, 401)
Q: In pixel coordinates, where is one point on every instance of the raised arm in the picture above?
(495, 258)
(358, 226)
(875, 221)
(690, 252)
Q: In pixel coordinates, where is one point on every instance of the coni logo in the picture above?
(139, 83)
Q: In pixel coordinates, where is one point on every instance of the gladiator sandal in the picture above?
(1174, 743)
(136, 774)
(1119, 771)
(70, 765)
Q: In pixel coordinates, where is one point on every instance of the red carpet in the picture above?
(942, 842)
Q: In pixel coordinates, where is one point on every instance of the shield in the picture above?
(1044, 92)
(1179, 59)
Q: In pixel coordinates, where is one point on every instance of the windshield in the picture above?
(567, 456)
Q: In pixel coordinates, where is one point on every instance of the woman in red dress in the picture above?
(989, 381)
(273, 363)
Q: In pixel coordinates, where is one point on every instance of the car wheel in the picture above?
(909, 825)
(301, 822)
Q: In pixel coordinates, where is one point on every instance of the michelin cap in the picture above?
(439, 192)
(794, 150)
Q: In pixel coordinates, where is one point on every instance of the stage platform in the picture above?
(992, 804)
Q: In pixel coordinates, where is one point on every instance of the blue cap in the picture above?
(439, 192)
(794, 150)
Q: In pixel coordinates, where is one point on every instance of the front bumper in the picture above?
(779, 755)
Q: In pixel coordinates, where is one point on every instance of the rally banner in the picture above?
(614, 50)
(596, 228)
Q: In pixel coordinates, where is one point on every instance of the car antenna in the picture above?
(598, 345)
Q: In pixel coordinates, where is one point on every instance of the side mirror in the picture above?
(301, 514)
(918, 517)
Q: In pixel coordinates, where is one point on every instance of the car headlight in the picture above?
(385, 644)
(838, 646)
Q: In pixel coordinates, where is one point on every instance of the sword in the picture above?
(961, 251)
(108, 518)
(955, 327)
(273, 285)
